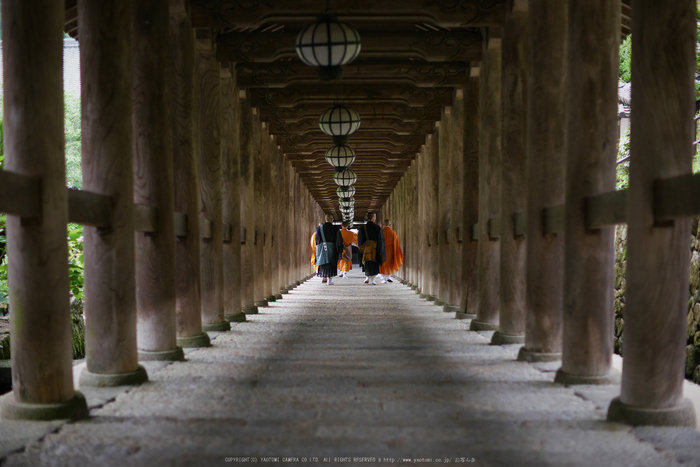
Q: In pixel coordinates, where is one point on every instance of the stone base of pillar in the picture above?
(250, 310)
(271, 298)
(100, 380)
(414, 287)
(439, 302)
(260, 303)
(236, 318)
(201, 340)
(482, 326)
(216, 327)
(424, 296)
(404, 282)
(450, 308)
(570, 380)
(682, 414)
(505, 339)
(174, 355)
(460, 315)
(532, 356)
(431, 298)
(284, 291)
(417, 290)
(278, 296)
(74, 409)
(298, 282)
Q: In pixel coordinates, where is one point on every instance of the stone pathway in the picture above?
(348, 374)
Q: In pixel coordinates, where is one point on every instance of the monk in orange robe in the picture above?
(394, 255)
(313, 251)
(348, 239)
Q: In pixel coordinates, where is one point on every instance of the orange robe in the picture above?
(313, 251)
(394, 256)
(348, 238)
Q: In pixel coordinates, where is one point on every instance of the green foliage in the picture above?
(626, 60)
(623, 168)
(76, 262)
(74, 177)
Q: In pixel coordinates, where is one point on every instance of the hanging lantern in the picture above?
(340, 157)
(345, 178)
(345, 191)
(328, 44)
(339, 122)
(347, 202)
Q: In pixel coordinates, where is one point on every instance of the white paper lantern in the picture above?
(328, 44)
(339, 122)
(345, 178)
(340, 157)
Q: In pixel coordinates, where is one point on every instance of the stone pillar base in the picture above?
(569, 380)
(284, 291)
(298, 282)
(450, 308)
(201, 340)
(532, 356)
(460, 315)
(505, 339)
(250, 310)
(260, 303)
(100, 380)
(174, 355)
(271, 298)
(423, 296)
(481, 326)
(682, 414)
(417, 290)
(236, 318)
(440, 303)
(216, 327)
(414, 287)
(74, 409)
(278, 296)
(431, 298)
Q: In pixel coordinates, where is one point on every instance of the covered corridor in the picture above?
(334, 374)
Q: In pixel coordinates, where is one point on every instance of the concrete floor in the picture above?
(334, 373)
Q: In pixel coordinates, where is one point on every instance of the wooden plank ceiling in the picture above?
(414, 54)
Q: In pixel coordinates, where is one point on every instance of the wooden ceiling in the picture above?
(415, 53)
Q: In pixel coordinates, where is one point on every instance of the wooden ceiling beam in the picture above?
(359, 72)
(367, 112)
(251, 15)
(429, 46)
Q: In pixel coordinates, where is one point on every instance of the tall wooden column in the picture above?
(285, 227)
(546, 159)
(107, 161)
(594, 35)
(488, 258)
(424, 221)
(188, 308)
(432, 213)
(511, 329)
(208, 153)
(444, 212)
(658, 257)
(277, 196)
(266, 193)
(42, 380)
(153, 183)
(259, 169)
(456, 202)
(231, 199)
(247, 207)
(470, 196)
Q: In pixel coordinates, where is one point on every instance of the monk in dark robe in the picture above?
(371, 232)
(332, 236)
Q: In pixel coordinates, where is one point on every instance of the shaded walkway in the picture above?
(348, 370)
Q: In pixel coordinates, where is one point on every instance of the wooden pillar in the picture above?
(247, 206)
(231, 199)
(594, 35)
(188, 308)
(153, 183)
(470, 196)
(414, 242)
(444, 212)
(488, 257)
(546, 160)
(259, 169)
(107, 162)
(277, 196)
(658, 257)
(268, 240)
(208, 154)
(511, 329)
(424, 221)
(40, 324)
(432, 213)
(456, 202)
